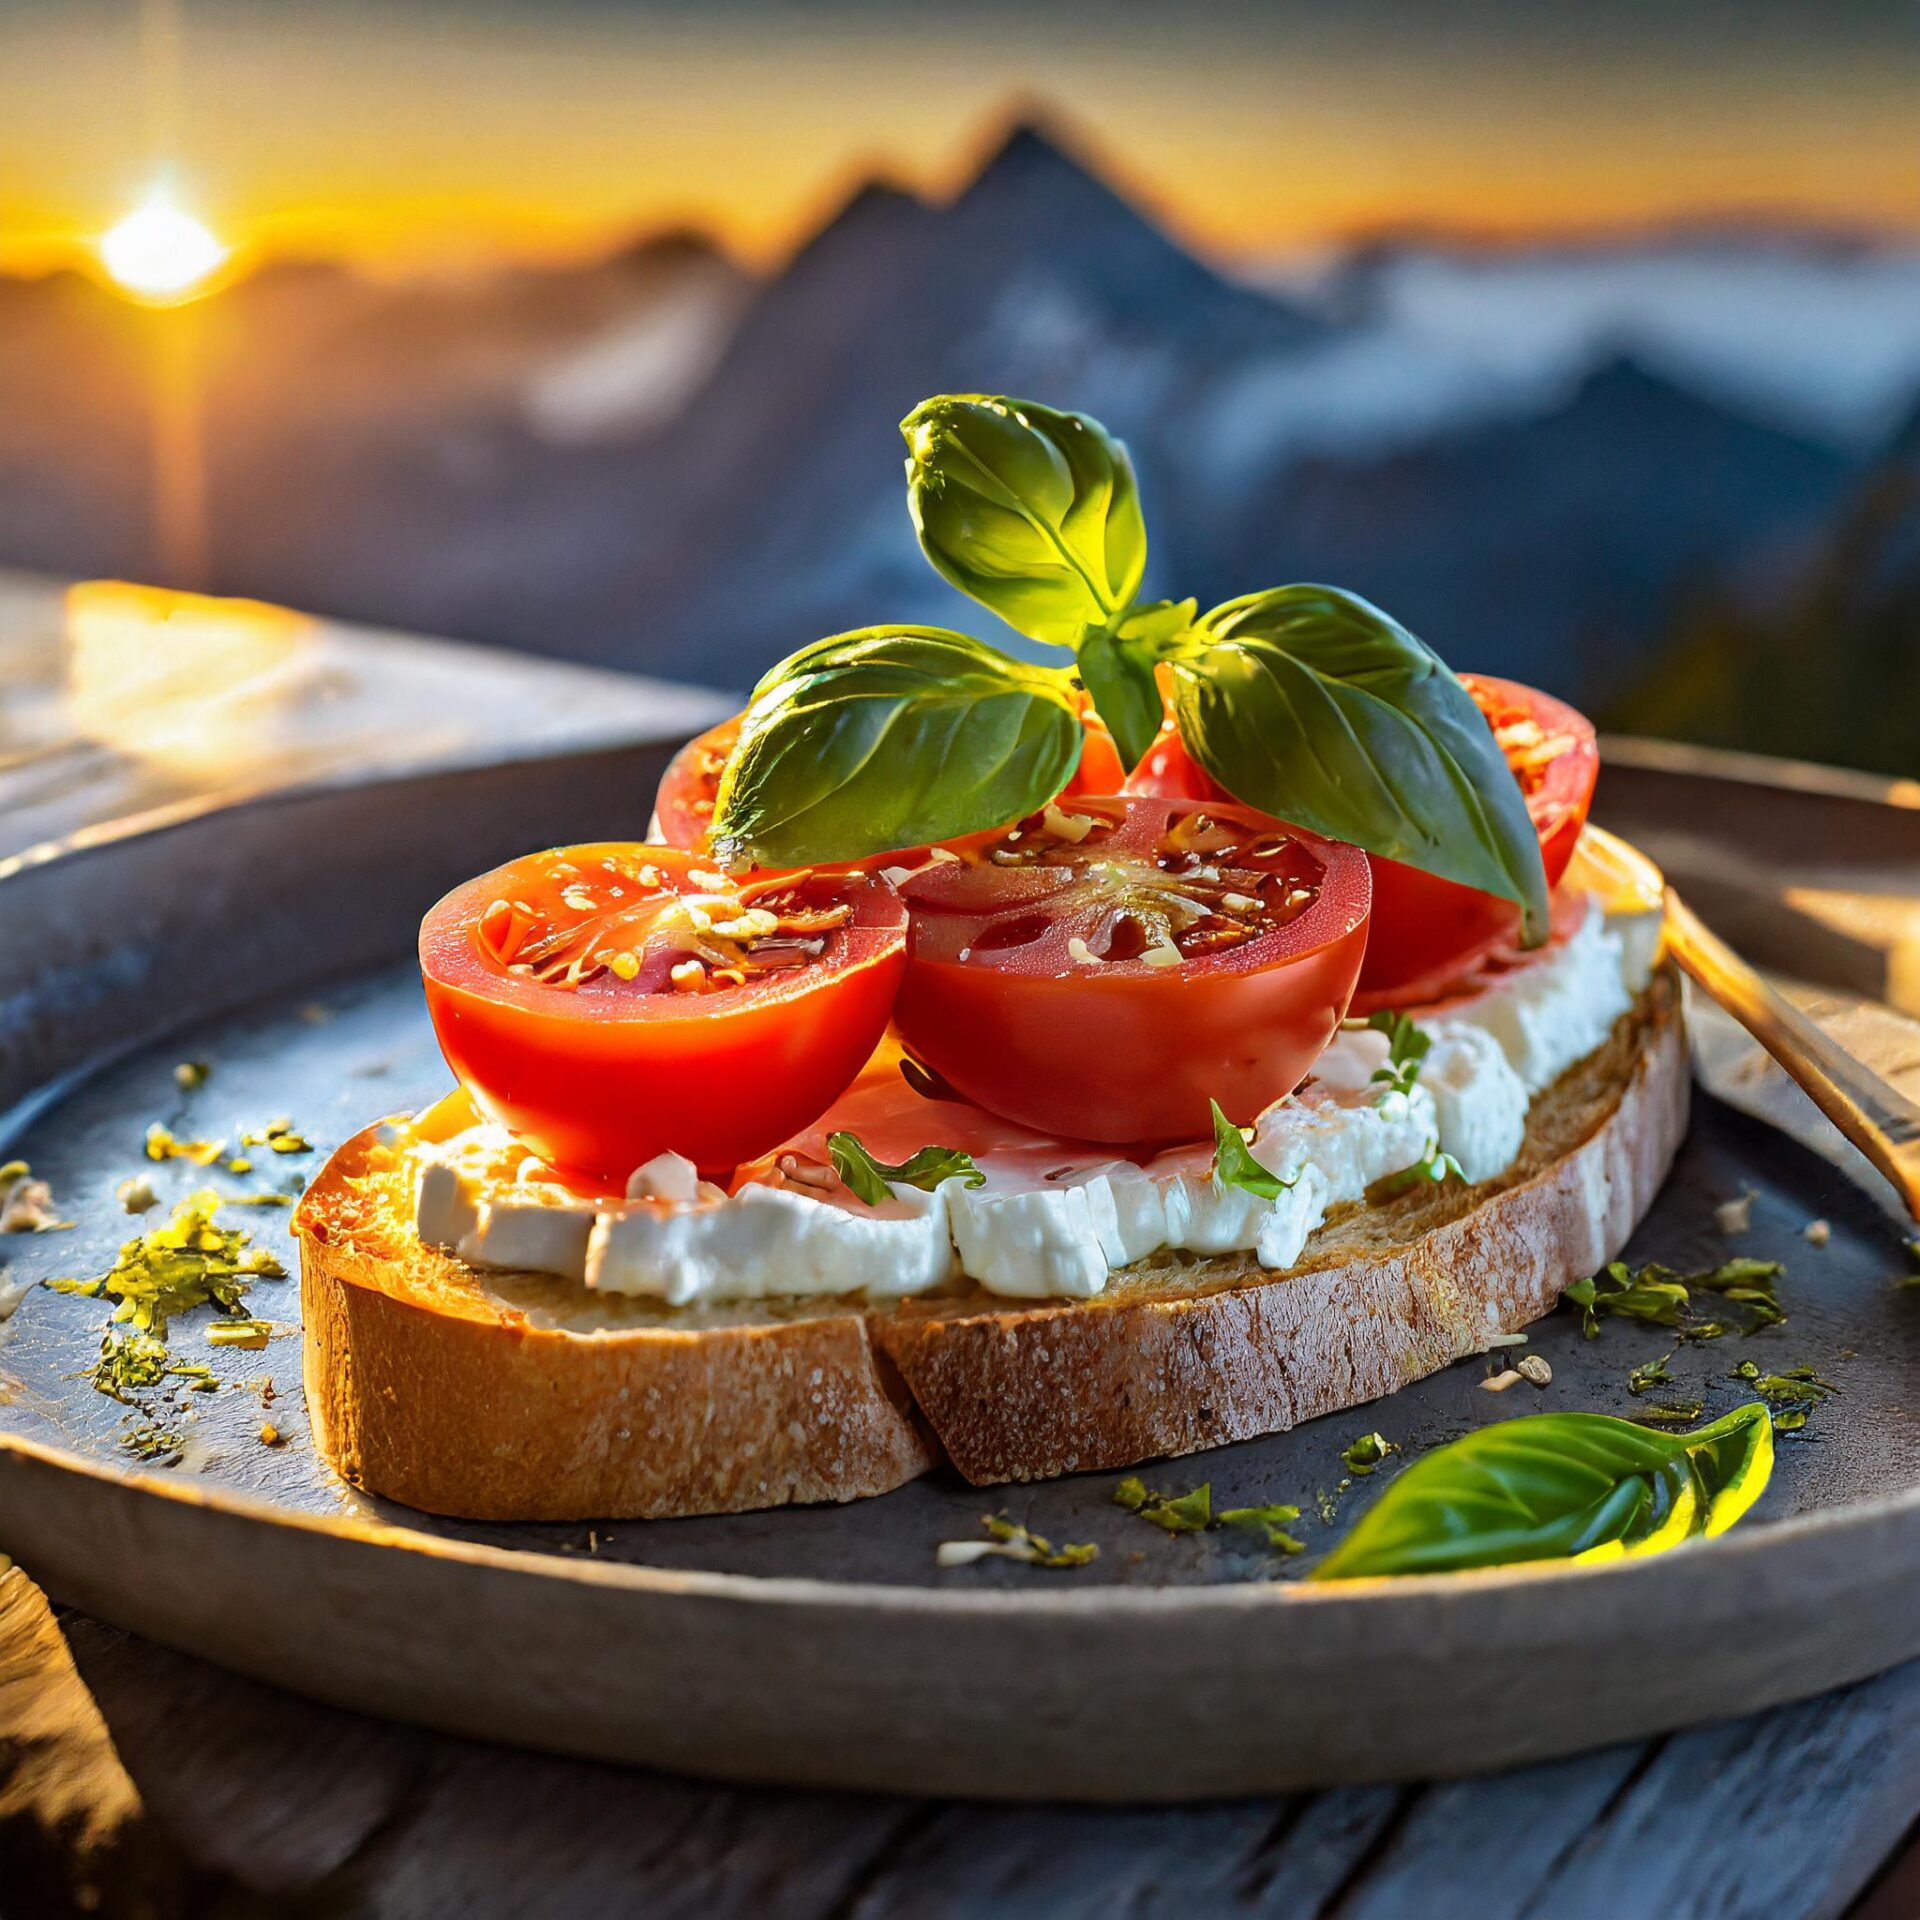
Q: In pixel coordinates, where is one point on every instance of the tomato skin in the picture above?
(1100, 770)
(596, 1084)
(1427, 932)
(683, 808)
(1169, 771)
(1132, 1053)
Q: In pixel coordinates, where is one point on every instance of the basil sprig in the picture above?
(1555, 1486)
(891, 737)
(1302, 701)
(873, 1180)
(1033, 513)
(1308, 703)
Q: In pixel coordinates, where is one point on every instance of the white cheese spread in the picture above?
(1049, 1221)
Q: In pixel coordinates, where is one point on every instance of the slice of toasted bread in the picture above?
(518, 1396)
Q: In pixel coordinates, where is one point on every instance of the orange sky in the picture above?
(432, 133)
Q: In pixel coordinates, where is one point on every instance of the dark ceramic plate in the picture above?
(822, 1644)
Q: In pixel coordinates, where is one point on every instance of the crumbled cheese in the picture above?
(1022, 1235)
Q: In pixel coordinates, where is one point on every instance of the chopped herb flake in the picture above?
(872, 1180)
(1182, 1513)
(1009, 1541)
(1662, 1296)
(1670, 1413)
(1651, 1373)
(1268, 1523)
(1367, 1452)
(278, 1136)
(1435, 1168)
(1234, 1164)
(154, 1443)
(239, 1333)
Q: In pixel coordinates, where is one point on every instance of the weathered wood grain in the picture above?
(209, 1794)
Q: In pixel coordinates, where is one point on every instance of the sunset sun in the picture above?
(159, 252)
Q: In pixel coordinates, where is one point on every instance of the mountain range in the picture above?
(660, 461)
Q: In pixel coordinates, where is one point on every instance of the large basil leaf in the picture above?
(1308, 703)
(1557, 1486)
(1033, 513)
(891, 737)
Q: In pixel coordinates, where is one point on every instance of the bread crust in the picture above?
(445, 1389)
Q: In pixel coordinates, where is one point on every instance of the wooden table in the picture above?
(135, 1780)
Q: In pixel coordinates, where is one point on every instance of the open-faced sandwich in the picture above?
(1036, 1067)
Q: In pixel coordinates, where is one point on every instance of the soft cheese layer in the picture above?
(1052, 1220)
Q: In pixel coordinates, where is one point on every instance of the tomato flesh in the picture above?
(1101, 972)
(611, 1002)
(1428, 932)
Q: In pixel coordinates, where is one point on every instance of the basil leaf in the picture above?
(891, 737)
(1234, 1164)
(1033, 513)
(1558, 1486)
(873, 1180)
(1125, 693)
(1310, 704)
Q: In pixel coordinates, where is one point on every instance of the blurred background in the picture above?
(1585, 340)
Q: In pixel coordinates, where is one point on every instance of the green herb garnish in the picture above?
(1553, 1486)
(1193, 1513)
(152, 1442)
(1792, 1387)
(190, 1262)
(1433, 1168)
(1010, 1541)
(1179, 1513)
(191, 1073)
(239, 1333)
(278, 1136)
(1269, 1524)
(871, 1180)
(1671, 1413)
(1234, 1164)
(1367, 1452)
(1407, 1046)
(1661, 1296)
(163, 1144)
(1650, 1373)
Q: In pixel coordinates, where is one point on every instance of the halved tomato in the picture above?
(1427, 932)
(1101, 971)
(683, 808)
(607, 1003)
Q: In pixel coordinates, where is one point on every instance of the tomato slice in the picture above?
(1428, 932)
(1100, 972)
(610, 1002)
(683, 807)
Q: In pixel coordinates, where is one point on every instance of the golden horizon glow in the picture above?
(159, 252)
(402, 139)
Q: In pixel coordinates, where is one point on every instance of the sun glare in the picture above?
(160, 253)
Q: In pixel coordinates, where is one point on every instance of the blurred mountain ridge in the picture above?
(1546, 461)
